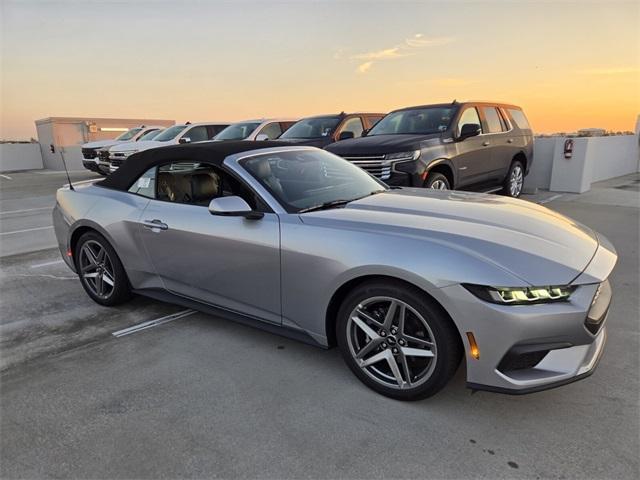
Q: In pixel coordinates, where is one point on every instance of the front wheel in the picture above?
(437, 181)
(515, 180)
(397, 341)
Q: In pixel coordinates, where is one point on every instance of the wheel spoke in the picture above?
(395, 370)
(360, 311)
(368, 348)
(375, 358)
(99, 284)
(365, 328)
(416, 352)
(90, 255)
(401, 316)
(106, 278)
(100, 256)
(405, 368)
(419, 341)
(91, 275)
(391, 313)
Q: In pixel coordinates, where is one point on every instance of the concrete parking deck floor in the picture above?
(203, 397)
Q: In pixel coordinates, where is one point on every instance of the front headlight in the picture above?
(412, 155)
(520, 295)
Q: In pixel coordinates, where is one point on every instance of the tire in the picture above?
(366, 309)
(98, 271)
(512, 186)
(437, 181)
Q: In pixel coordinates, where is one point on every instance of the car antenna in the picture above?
(454, 101)
(64, 164)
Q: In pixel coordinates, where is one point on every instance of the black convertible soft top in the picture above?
(209, 152)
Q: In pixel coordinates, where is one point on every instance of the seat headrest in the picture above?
(204, 186)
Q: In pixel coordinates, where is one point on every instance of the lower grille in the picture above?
(376, 165)
(116, 162)
(89, 153)
(103, 155)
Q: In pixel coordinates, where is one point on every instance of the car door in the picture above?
(499, 146)
(472, 157)
(226, 261)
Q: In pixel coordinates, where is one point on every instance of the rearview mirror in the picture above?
(469, 130)
(262, 137)
(346, 135)
(184, 140)
(233, 207)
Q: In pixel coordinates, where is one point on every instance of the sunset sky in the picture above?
(570, 65)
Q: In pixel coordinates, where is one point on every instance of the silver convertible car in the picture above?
(298, 241)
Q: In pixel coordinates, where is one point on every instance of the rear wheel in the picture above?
(515, 180)
(437, 181)
(397, 341)
(101, 273)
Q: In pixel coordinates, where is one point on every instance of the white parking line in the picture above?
(46, 264)
(550, 199)
(5, 176)
(26, 210)
(26, 230)
(152, 323)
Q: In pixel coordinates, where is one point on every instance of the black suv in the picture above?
(322, 130)
(471, 145)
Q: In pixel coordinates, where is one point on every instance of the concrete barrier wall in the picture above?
(593, 159)
(20, 156)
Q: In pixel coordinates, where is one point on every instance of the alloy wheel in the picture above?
(96, 269)
(439, 185)
(516, 180)
(391, 342)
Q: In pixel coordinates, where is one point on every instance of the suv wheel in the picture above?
(397, 341)
(515, 180)
(101, 273)
(437, 181)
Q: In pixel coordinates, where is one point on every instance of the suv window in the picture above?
(197, 134)
(271, 130)
(470, 115)
(519, 118)
(492, 119)
(146, 184)
(373, 119)
(197, 184)
(354, 125)
(213, 130)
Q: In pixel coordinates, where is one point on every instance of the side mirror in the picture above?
(233, 207)
(184, 140)
(364, 132)
(262, 137)
(469, 130)
(346, 135)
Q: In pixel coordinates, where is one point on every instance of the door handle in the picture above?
(155, 223)
(486, 143)
(510, 140)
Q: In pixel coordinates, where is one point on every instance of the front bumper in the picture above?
(529, 348)
(90, 164)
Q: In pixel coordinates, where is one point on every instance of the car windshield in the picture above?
(304, 180)
(170, 133)
(237, 131)
(150, 135)
(128, 135)
(316, 127)
(414, 121)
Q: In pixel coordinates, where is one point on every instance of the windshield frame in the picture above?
(382, 122)
(237, 162)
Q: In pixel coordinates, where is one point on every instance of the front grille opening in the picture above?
(521, 361)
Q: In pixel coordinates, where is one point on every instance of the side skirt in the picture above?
(282, 330)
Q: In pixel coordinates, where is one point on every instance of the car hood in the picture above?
(536, 244)
(138, 146)
(101, 144)
(379, 144)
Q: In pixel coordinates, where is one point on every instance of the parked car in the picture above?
(322, 130)
(303, 243)
(471, 145)
(103, 161)
(183, 133)
(262, 129)
(90, 151)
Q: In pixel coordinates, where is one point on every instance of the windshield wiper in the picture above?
(336, 203)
